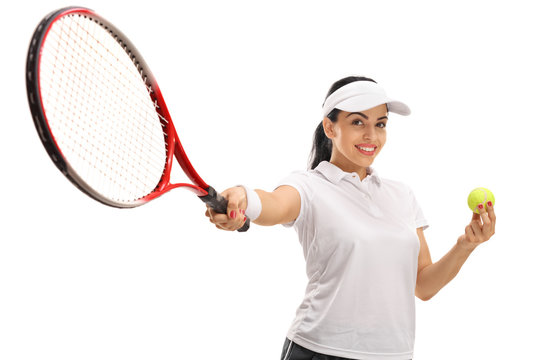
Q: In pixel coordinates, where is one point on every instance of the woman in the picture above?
(362, 235)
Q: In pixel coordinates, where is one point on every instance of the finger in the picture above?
(232, 209)
(228, 225)
(243, 220)
(237, 202)
(477, 230)
(484, 216)
(213, 213)
(240, 219)
(487, 227)
(232, 203)
(469, 233)
(491, 212)
(219, 219)
(210, 212)
(489, 231)
(224, 222)
(222, 228)
(237, 224)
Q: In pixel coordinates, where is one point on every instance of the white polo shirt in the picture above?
(361, 249)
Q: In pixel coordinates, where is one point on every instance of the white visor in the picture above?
(362, 95)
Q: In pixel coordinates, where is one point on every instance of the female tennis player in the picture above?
(362, 235)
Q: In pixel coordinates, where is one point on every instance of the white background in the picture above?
(244, 82)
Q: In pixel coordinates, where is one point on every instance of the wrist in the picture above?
(466, 246)
(254, 205)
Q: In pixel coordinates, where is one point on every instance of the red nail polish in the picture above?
(245, 218)
(489, 203)
(242, 211)
(480, 206)
(233, 214)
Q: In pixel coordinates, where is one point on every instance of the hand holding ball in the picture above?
(480, 196)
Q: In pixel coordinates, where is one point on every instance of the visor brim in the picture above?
(368, 101)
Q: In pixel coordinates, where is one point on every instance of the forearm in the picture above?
(278, 207)
(269, 216)
(435, 276)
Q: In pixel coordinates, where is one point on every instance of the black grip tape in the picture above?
(219, 204)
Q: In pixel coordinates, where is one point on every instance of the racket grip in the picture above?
(219, 204)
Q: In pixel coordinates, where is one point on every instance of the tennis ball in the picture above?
(480, 196)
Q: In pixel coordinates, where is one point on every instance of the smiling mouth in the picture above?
(366, 150)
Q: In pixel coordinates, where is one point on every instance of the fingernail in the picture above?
(245, 218)
(233, 214)
(242, 211)
(489, 203)
(480, 206)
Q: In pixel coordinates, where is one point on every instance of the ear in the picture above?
(328, 127)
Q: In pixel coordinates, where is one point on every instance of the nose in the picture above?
(370, 133)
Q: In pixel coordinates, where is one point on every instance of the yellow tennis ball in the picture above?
(480, 196)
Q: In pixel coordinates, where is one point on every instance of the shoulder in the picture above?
(302, 176)
(306, 182)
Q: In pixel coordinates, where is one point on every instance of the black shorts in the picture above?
(293, 351)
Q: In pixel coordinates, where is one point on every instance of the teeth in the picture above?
(366, 148)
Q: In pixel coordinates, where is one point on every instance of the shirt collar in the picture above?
(334, 174)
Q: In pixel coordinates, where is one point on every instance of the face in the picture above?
(357, 138)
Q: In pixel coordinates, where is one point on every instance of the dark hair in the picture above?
(322, 145)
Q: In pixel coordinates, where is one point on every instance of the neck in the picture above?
(348, 166)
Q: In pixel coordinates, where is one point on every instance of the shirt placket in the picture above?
(366, 193)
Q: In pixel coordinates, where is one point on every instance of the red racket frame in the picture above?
(174, 147)
(172, 139)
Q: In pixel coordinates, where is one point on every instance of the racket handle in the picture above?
(219, 204)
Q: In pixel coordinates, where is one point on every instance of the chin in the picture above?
(365, 159)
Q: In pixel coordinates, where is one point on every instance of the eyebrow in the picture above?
(366, 117)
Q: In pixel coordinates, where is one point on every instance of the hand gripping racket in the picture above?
(100, 114)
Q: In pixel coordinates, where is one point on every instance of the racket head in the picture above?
(99, 111)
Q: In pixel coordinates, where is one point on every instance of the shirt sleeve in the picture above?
(419, 218)
(299, 181)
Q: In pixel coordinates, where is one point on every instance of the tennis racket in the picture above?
(101, 116)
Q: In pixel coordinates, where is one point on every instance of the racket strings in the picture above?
(100, 110)
(97, 84)
(86, 149)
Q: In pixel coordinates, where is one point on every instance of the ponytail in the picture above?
(322, 145)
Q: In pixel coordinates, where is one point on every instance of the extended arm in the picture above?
(432, 277)
(280, 206)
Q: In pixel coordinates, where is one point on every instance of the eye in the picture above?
(357, 122)
(381, 125)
